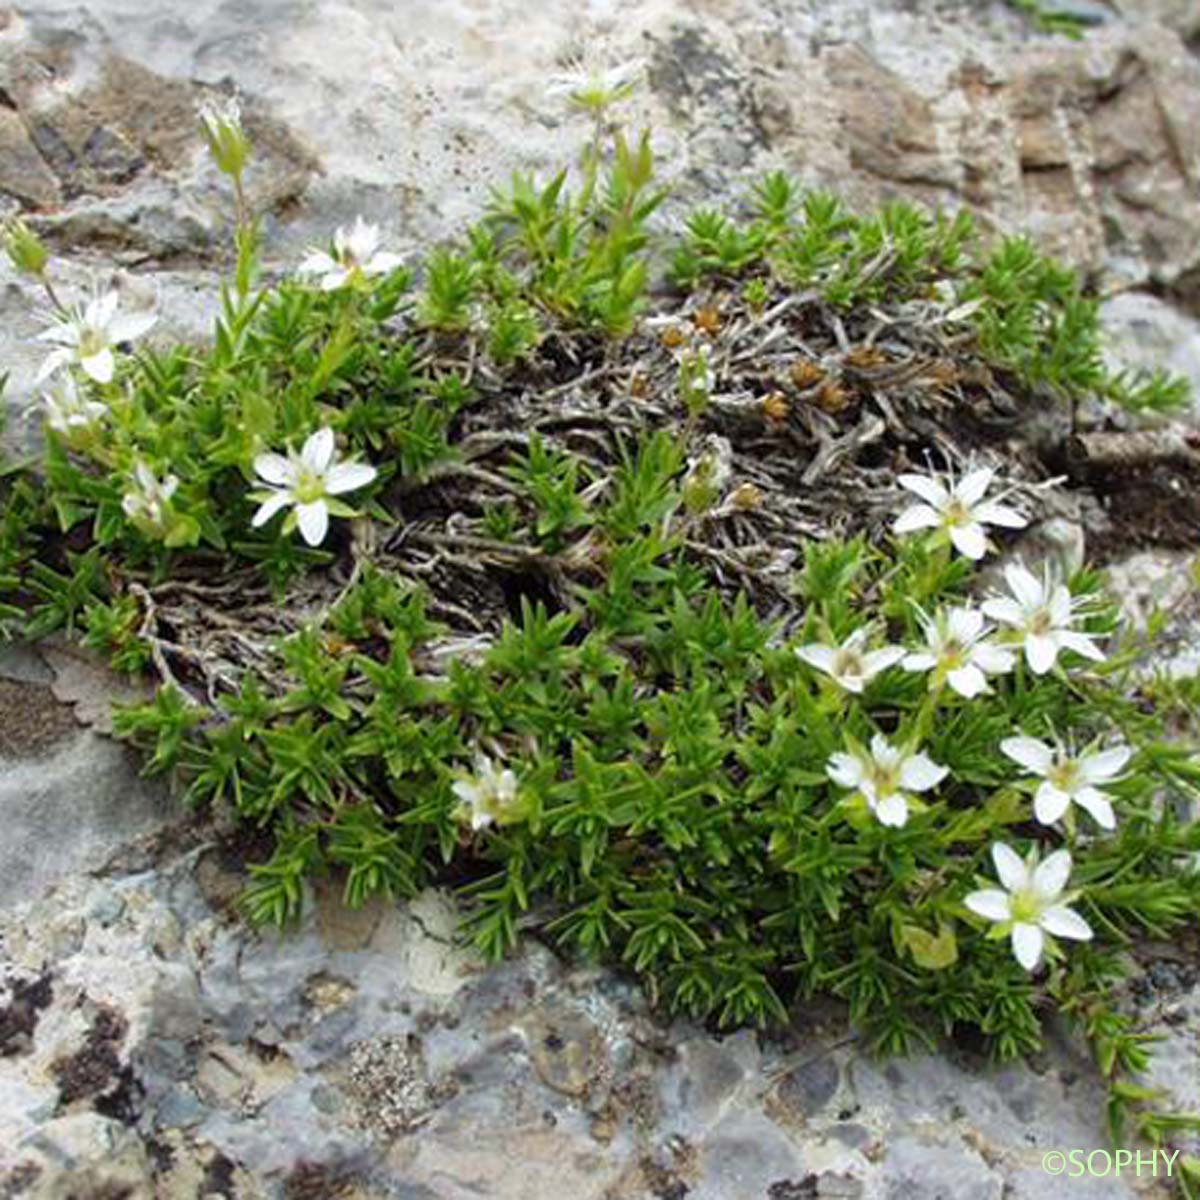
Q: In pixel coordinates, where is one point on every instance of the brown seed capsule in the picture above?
(832, 397)
(866, 356)
(775, 406)
(707, 319)
(746, 496)
(639, 386)
(671, 337)
(805, 373)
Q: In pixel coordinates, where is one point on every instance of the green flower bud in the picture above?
(24, 248)
(221, 124)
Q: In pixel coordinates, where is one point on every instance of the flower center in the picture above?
(952, 653)
(957, 513)
(1040, 623)
(91, 341)
(1064, 775)
(1025, 907)
(849, 663)
(309, 486)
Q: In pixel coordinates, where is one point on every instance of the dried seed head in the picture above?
(806, 374)
(672, 337)
(832, 397)
(866, 356)
(746, 496)
(775, 406)
(639, 386)
(707, 320)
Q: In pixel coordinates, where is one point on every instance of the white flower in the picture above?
(1041, 615)
(308, 480)
(148, 500)
(1068, 778)
(491, 795)
(355, 252)
(960, 510)
(590, 87)
(956, 652)
(1030, 903)
(86, 333)
(848, 665)
(884, 775)
(67, 409)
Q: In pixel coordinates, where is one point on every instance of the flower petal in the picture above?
(1098, 805)
(382, 263)
(274, 468)
(930, 490)
(1029, 753)
(818, 656)
(1009, 868)
(881, 659)
(919, 773)
(968, 681)
(995, 660)
(969, 540)
(1041, 652)
(892, 810)
(318, 450)
(346, 477)
(1005, 610)
(999, 514)
(1024, 586)
(127, 326)
(1104, 765)
(845, 769)
(970, 488)
(1027, 942)
(920, 516)
(1050, 877)
(1081, 643)
(99, 365)
(269, 508)
(317, 262)
(991, 903)
(1062, 921)
(314, 521)
(1050, 803)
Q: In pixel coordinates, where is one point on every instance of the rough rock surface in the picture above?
(149, 1045)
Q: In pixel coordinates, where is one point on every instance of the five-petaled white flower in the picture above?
(355, 254)
(149, 498)
(67, 409)
(308, 480)
(86, 333)
(850, 665)
(1041, 614)
(1068, 777)
(1030, 906)
(884, 775)
(957, 652)
(959, 510)
(490, 796)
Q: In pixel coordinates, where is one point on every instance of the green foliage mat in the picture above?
(550, 653)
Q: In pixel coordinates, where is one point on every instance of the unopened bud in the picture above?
(24, 248)
(228, 144)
